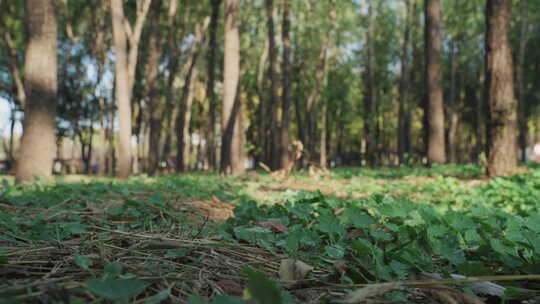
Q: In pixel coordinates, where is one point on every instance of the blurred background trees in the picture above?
(176, 85)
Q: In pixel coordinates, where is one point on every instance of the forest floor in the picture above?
(352, 235)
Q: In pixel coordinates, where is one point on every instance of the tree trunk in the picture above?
(154, 108)
(323, 156)
(231, 147)
(286, 81)
(320, 75)
(210, 91)
(184, 113)
(273, 100)
(500, 90)
(122, 91)
(14, 68)
(183, 141)
(525, 31)
(263, 126)
(436, 143)
(452, 104)
(370, 103)
(404, 86)
(39, 141)
(126, 61)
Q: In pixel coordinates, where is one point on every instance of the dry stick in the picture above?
(451, 281)
(183, 242)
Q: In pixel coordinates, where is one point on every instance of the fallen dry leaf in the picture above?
(363, 294)
(341, 267)
(356, 233)
(293, 270)
(230, 287)
(275, 226)
(447, 295)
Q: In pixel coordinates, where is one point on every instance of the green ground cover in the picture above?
(148, 240)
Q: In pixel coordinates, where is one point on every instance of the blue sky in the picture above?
(5, 112)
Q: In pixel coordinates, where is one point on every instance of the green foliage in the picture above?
(115, 289)
(491, 229)
(441, 223)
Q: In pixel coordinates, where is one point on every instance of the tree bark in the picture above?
(453, 104)
(122, 90)
(500, 91)
(263, 124)
(232, 143)
(14, 69)
(273, 100)
(210, 90)
(126, 61)
(525, 31)
(154, 108)
(370, 103)
(184, 113)
(320, 75)
(286, 82)
(436, 143)
(39, 141)
(404, 86)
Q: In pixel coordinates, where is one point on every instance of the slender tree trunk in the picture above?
(263, 126)
(126, 61)
(315, 95)
(471, 98)
(38, 142)
(286, 82)
(210, 91)
(404, 86)
(273, 100)
(122, 90)
(436, 143)
(154, 108)
(323, 156)
(183, 141)
(525, 31)
(111, 162)
(11, 151)
(298, 67)
(14, 65)
(231, 147)
(184, 114)
(451, 140)
(370, 103)
(500, 90)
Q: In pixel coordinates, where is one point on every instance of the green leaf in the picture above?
(160, 297)
(113, 269)
(380, 235)
(75, 228)
(224, 299)
(261, 289)
(197, 299)
(415, 220)
(115, 290)
(329, 224)
(358, 218)
(437, 231)
(158, 199)
(83, 261)
(362, 246)
(471, 236)
(501, 248)
(474, 268)
(335, 251)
